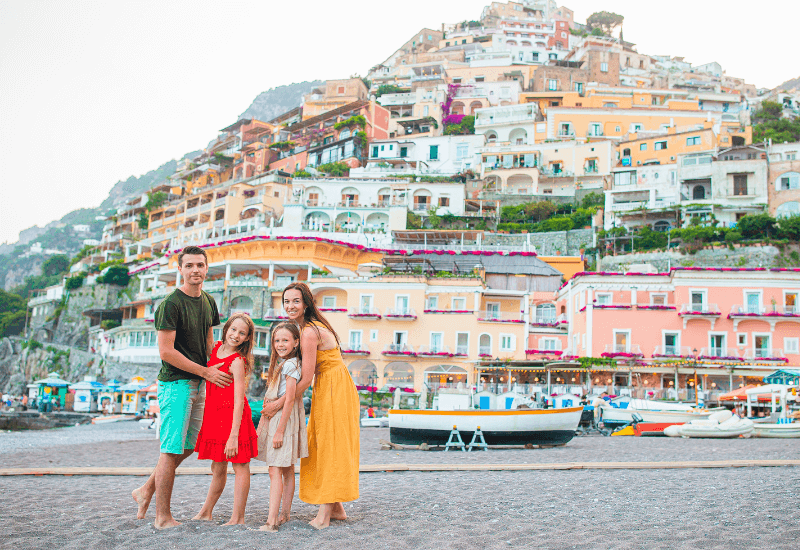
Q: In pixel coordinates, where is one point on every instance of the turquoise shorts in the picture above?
(181, 403)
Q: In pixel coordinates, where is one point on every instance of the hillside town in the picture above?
(392, 195)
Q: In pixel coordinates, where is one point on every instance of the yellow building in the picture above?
(664, 148)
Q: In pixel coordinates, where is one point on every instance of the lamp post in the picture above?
(694, 360)
(372, 380)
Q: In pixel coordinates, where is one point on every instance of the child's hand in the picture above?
(232, 447)
(277, 441)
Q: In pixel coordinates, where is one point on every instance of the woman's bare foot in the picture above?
(235, 522)
(142, 501)
(269, 528)
(338, 512)
(282, 519)
(319, 524)
(203, 517)
(167, 524)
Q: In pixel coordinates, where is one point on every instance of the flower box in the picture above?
(437, 354)
(355, 352)
(406, 353)
(543, 352)
(610, 306)
(657, 307)
(719, 358)
(334, 309)
(375, 316)
(500, 320)
(457, 311)
(620, 354)
(700, 313)
(485, 355)
(403, 316)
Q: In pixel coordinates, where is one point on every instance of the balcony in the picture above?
(349, 204)
(545, 321)
(356, 349)
(622, 350)
(771, 314)
(484, 351)
(401, 314)
(192, 211)
(456, 311)
(364, 314)
(499, 317)
(421, 207)
(591, 170)
(253, 200)
(155, 224)
(766, 354)
(399, 350)
(715, 353)
(275, 315)
(676, 352)
(212, 286)
(434, 351)
(700, 311)
(398, 99)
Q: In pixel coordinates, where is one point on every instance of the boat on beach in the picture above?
(721, 424)
(499, 427)
(776, 431)
(612, 415)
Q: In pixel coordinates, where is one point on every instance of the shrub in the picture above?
(336, 169)
(74, 282)
(733, 237)
(116, 275)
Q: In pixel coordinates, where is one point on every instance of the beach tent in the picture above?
(148, 398)
(52, 389)
(110, 393)
(86, 393)
(131, 394)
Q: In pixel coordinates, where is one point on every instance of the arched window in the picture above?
(485, 344)
(699, 192)
(662, 226)
(787, 181)
(787, 210)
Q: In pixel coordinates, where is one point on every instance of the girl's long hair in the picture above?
(273, 374)
(245, 349)
(312, 312)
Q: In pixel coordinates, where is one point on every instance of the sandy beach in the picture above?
(686, 508)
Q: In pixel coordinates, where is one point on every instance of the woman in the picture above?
(329, 475)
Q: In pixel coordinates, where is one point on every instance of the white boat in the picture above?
(721, 424)
(499, 427)
(779, 431)
(612, 415)
(379, 422)
(112, 418)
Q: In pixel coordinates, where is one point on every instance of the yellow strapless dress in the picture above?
(330, 472)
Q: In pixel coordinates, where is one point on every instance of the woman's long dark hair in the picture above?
(312, 313)
(273, 375)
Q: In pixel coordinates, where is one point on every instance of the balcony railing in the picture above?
(355, 349)
(718, 353)
(622, 350)
(672, 351)
(492, 316)
(275, 314)
(253, 200)
(765, 354)
(485, 351)
(434, 351)
(591, 170)
(699, 309)
(349, 203)
(399, 349)
(366, 313)
(739, 310)
(462, 350)
(401, 314)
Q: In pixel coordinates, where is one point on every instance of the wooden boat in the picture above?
(649, 429)
(779, 431)
(112, 418)
(499, 427)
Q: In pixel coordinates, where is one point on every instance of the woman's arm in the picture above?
(232, 446)
(308, 345)
(291, 385)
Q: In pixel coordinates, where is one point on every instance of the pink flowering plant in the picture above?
(460, 311)
(543, 352)
(334, 309)
(355, 352)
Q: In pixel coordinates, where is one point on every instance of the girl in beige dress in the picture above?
(282, 439)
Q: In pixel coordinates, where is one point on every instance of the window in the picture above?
(493, 310)
(485, 344)
(578, 87)
(479, 79)
(355, 339)
(790, 302)
(643, 147)
(550, 344)
(741, 338)
(693, 140)
(401, 305)
(658, 299)
(436, 342)
(507, 342)
(698, 300)
(283, 280)
(432, 302)
(329, 301)
(660, 145)
(740, 184)
(546, 313)
(462, 343)
(552, 84)
(671, 343)
(752, 302)
(444, 201)
(434, 152)
(462, 151)
(789, 181)
(790, 345)
(403, 152)
(459, 304)
(262, 340)
(622, 341)
(603, 298)
(604, 67)
(365, 305)
(373, 336)
(217, 334)
(761, 343)
(717, 345)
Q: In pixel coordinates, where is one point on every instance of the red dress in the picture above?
(218, 420)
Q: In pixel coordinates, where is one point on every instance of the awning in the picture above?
(340, 271)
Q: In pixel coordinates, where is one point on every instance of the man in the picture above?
(185, 339)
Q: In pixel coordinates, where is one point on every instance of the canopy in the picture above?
(133, 386)
(151, 388)
(87, 385)
(737, 394)
(52, 380)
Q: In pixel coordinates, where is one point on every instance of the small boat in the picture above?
(378, 422)
(612, 415)
(778, 431)
(721, 424)
(112, 418)
(499, 427)
(650, 429)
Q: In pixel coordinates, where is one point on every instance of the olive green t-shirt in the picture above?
(190, 318)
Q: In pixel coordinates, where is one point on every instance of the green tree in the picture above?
(12, 313)
(789, 228)
(769, 124)
(756, 226)
(116, 275)
(335, 169)
(390, 89)
(55, 265)
(606, 21)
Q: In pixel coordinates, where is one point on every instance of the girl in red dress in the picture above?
(227, 433)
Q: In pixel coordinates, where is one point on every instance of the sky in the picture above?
(92, 92)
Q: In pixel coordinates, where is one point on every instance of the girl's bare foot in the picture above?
(142, 501)
(282, 519)
(235, 522)
(269, 527)
(203, 517)
(167, 524)
(338, 512)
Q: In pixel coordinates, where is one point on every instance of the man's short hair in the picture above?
(191, 250)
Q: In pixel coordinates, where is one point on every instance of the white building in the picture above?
(440, 155)
(514, 124)
(642, 195)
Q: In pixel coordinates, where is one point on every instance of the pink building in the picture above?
(730, 324)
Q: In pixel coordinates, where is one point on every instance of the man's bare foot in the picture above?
(282, 519)
(338, 512)
(235, 522)
(319, 524)
(269, 527)
(203, 517)
(142, 501)
(167, 524)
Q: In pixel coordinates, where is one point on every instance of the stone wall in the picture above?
(747, 256)
(73, 326)
(567, 243)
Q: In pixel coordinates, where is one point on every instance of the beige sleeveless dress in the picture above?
(295, 437)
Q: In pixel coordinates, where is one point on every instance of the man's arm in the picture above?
(209, 342)
(168, 353)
